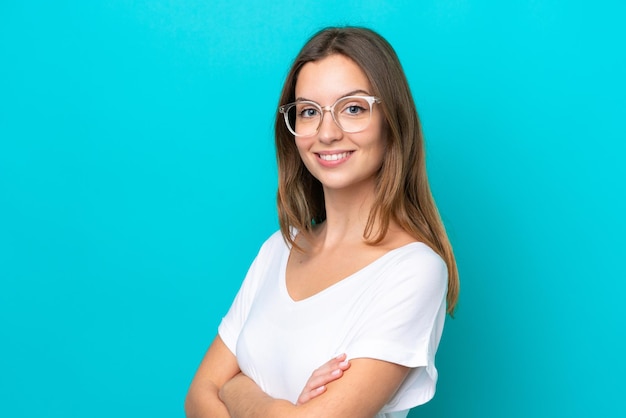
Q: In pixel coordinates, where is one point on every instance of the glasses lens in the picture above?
(303, 118)
(353, 114)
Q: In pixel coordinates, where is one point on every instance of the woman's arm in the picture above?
(330, 371)
(218, 366)
(360, 393)
(202, 398)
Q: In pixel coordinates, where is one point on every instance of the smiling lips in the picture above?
(334, 157)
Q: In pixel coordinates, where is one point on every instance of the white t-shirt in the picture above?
(393, 310)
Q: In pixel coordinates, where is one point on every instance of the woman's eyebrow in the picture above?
(351, 93)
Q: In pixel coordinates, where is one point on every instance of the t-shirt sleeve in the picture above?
(231, 324)
(403, 323)
(404, 320)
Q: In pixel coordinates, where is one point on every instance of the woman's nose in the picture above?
(329, 130)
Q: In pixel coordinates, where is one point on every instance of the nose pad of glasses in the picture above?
(329, 128)
(328, 118)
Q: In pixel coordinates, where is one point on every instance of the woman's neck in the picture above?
(347, 213)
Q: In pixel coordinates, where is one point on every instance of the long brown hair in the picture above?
(402, 191)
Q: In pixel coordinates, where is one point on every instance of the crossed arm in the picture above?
(220, 390)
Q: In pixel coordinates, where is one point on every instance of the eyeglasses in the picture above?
(351, 113)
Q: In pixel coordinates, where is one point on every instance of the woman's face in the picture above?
(339, 160)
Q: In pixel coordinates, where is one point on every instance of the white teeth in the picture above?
(333, 157)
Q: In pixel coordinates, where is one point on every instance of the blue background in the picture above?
(137, 181)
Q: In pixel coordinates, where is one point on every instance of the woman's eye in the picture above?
(308, 113)
(354, 110)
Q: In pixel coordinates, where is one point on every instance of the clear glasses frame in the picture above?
(285, 109)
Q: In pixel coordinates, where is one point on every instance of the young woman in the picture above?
(342, 310)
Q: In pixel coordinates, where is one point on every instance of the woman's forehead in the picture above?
(330, 78)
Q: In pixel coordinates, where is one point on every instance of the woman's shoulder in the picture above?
(274, 238)
(274, 242)
(420, 253)
(417, 260)
(409, 247)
